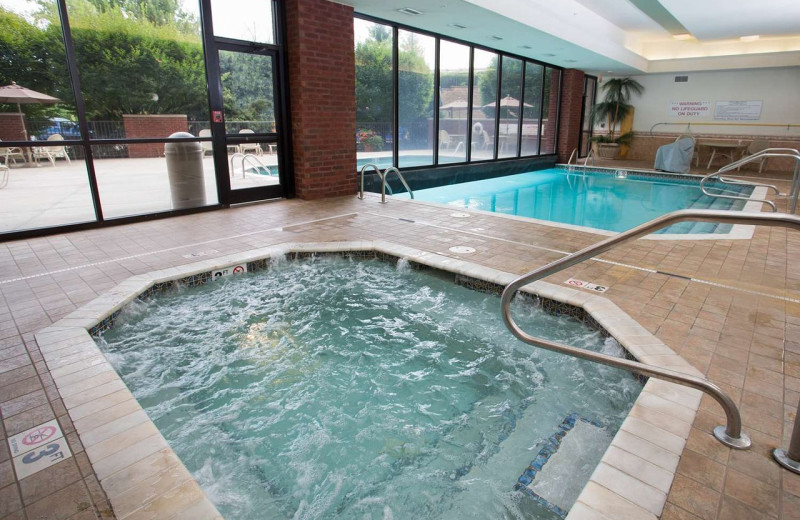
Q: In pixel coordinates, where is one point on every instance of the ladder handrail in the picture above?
(731, 435)
(402, 180)
(768, 152)
(382, 174)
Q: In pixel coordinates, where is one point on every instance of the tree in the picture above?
(374, 76)
(414, 81)
(615, 105)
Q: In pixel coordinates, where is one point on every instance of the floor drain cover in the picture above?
(462, 249)
(460, 214)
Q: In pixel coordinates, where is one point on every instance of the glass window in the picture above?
(509, 111)
(453, 101)
(549, 124)
(374, 94)
(484, 99)
(54, 194)
(141, 67)
(415, 98)
(247, 92)
(249, 20)
(142, 183)
(589, 87)
(532, 108)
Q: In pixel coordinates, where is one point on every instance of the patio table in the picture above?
(722, 149)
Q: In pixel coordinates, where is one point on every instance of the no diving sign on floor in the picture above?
(227, 271)
(38, 448)
(572, 282)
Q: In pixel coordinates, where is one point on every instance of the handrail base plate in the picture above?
(782, 456)
(740, 443)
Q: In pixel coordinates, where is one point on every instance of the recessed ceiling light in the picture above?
(408, 10)
(548, 54)
(570, 61)
(526, 47)
(682, 36)
(498, 38)
(458, 26)
(750, 38)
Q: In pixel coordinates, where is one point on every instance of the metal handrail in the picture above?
(399, 176)
(768, 152)
(248, 158)
(731, 435)
(383, 176)
(361, 174)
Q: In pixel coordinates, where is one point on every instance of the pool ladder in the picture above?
(251, 159)
(769, 152)
(731, 434)
(383, 176)
(574, 155)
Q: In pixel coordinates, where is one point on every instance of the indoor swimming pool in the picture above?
(340, 388)
(607, 200)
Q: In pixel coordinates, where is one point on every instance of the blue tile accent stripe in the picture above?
(550, 447)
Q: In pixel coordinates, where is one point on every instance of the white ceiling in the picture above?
(614, 36)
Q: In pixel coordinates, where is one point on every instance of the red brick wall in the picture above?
(152, 126)
(11, 128)
(319, 37)
(569, 129)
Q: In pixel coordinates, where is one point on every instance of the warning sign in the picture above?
(227, 271)
(684, 109)
(34, 437)
(586, 285)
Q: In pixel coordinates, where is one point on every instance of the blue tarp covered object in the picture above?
(675, 157)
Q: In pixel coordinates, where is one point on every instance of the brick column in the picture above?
(569, 129)
(159, 126)
(11, 128)
(320, 49)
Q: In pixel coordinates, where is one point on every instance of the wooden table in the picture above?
(722, 149)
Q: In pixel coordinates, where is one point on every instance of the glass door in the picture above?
(244, 62)
(250, 123)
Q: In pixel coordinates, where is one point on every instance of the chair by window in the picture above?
(249, 147)
(444, 140)
(758, 145)
(3, 175)
(51, 153)
(11, 153)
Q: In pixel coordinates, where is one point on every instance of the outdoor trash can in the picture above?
(185, 171)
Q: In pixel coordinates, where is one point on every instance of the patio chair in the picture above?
(51, 153)
(753, 148)
(249, 147)
(11, 153)
(3, 175)
(208, 146)
(444, 140)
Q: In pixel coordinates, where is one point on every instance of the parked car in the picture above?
(58, 125)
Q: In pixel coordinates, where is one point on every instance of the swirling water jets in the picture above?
(340, 389)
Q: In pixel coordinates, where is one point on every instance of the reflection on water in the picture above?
(609, 202)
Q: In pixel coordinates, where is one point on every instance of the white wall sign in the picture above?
(689, 108)
(738, 110)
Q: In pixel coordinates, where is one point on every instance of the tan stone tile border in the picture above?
(144, 478)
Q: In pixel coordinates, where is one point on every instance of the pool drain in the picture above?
(460, 214)
(462, 250)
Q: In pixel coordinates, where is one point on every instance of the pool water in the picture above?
(595, 200)
(335, 388)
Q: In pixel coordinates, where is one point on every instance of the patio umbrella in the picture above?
(20, 95)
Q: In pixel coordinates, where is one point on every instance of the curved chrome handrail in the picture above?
(382, 174)
(731, 435)
(233, 169)
(361, 173)
(402, 180)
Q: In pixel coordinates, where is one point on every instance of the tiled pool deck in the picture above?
(743, 341)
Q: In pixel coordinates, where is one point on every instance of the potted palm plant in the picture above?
(614, 108)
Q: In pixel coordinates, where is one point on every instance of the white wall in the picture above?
(777, 88)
